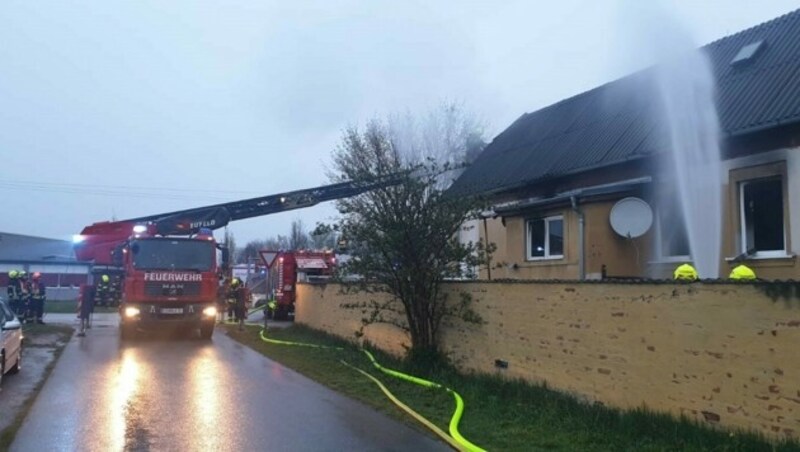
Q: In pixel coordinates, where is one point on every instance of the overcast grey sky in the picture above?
(196, 102)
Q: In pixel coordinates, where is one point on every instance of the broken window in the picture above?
(762, 216)
(546, 238)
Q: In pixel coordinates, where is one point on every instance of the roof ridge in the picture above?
(36, 237)
(585, 132)
(643, 70)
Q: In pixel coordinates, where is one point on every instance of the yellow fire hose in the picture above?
(454, 420)
(441, 434)
(455, 439)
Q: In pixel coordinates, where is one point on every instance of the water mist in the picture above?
(685, 86)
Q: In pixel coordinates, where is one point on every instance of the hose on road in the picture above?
(455, 439)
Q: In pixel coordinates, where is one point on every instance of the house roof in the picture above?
(566, 197)
(614, 123)
(26, 248)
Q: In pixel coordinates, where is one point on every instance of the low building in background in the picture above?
(61, 273)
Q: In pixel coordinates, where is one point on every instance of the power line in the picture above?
(123, 187)
(113, 193)
(120, 191)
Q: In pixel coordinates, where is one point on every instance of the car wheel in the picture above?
(18, 364)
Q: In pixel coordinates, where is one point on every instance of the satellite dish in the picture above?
(631, 217)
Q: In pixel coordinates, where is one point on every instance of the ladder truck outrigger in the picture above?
(170, 264)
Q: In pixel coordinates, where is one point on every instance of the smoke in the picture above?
(447, 135)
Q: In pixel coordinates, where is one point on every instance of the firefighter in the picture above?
(13, 292)
(38, 296)
(24, 297)
(222, 293)
(237, 299)
(742, 273)
(685, 272)
(103, 291)
(115, 291)
(85, 309)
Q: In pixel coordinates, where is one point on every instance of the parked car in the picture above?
(10, 341)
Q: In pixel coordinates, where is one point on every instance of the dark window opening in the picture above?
(672, 228)
(546, 238)
(762, 215)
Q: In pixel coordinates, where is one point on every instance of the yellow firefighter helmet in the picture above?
(685, 272)
(742, 273)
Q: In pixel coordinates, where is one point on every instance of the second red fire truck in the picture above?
(287, 268)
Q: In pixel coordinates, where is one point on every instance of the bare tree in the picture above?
(298, 238)
(403, 238)
(230, 243)
(447, 134)
(277, 243)
(323, 236)
(250, 251)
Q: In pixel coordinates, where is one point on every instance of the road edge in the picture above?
(8, 434)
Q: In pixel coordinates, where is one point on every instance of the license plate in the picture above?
(172, 311)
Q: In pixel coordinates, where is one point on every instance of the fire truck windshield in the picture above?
(171, 254)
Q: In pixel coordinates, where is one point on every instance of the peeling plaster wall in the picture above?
(724, 354)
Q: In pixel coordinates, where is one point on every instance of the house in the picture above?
(554, 175)
(61, 273)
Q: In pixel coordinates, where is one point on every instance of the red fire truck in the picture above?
(170, 265)
(168, 280)
(291, 267)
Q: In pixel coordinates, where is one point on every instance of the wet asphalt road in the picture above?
(185, 394)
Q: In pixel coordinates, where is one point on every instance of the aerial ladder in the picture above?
(96, 242)
(168, 267)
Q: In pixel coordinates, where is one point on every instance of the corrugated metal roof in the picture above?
(615, 122)
(517, 207)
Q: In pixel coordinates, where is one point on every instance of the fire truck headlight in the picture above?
(210, 311)
(131, 311)
(139, 229)
(78, 239)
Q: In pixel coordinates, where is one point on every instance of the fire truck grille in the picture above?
(166, 289)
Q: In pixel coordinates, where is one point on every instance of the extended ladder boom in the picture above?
(97, 241)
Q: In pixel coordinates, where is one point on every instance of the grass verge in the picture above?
(68, 307)
(500, 414)
(59, 337)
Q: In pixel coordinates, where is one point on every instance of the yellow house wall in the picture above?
(622, 257)
(721, 354)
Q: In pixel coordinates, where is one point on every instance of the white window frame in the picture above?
(743, 223)
(547, 255)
